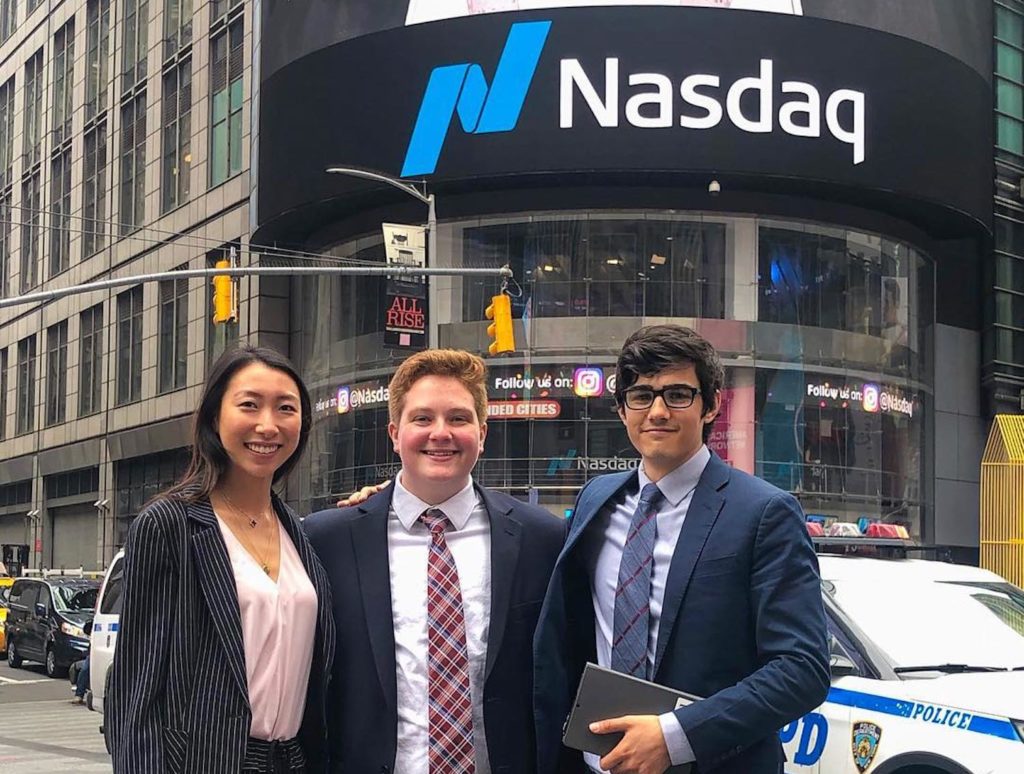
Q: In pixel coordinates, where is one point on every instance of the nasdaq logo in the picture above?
(463, 89)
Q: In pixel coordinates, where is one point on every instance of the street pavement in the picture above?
(41, 732)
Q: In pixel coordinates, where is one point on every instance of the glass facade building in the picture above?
(825, 333)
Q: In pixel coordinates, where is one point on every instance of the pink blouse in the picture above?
(278, 627)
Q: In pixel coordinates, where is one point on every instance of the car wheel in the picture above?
(13, 658)
(52, 669)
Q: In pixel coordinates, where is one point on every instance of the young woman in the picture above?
(226, 635)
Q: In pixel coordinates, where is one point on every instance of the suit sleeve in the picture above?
(788, 620)
(314, 526)
(139, 669)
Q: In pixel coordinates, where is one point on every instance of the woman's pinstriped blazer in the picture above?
(178, 697)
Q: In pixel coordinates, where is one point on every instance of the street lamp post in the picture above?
(401, 185)
(411, 190)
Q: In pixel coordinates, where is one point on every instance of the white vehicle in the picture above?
(104, 632)
(927, 672)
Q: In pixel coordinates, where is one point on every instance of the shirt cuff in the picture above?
(679, 750)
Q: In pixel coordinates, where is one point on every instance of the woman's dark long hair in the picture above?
(209, 459)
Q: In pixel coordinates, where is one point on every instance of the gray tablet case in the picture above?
(604, 694)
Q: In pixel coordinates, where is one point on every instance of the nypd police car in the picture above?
(927, 672)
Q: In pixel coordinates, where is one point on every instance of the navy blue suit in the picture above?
(352, 544)
(742, 623)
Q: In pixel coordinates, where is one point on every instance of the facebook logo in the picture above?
(462, 89)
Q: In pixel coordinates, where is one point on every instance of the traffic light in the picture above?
(223, 295)
(500, 330)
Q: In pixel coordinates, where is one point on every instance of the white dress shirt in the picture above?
(469, 540)
(603, 543)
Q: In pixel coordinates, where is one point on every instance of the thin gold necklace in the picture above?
(258, 555)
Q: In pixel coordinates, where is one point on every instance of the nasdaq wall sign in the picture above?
(695, 101)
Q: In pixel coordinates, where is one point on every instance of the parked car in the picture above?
(927, 672)
(48, 621)
(104, 632)
(5, 589)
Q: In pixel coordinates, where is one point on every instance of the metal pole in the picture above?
(432, 262)
(246, 271)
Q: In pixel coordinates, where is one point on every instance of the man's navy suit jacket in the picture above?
(352, 544)
(742, 623)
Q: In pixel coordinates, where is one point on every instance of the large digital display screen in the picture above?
(553, 93)
(294, 28)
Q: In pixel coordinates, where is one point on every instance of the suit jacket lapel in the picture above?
(505, 541)
(370, 544)
(590, 502)
(705, 506)
(217, 582)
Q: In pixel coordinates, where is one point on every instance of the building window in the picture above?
(177, 26)
(30, 229)
(17, 493)
(220, 337)
(7, 133)
(133, 163)
(6, 182)
(60, 211)
(221, 7)
(1009, 83)
(226, 100)
(173, 333)
(6, 215)
(134, 42)
(3, 393)
(63, 81)
(60, 151)
(129, 345)
(33, 4)
(94, 188)
(98, 44)
(8, 18)
(25, 419)
(56, 373)
(90, 360)
(139, 479)
(72, 483)
(177, 135)
(34, 87)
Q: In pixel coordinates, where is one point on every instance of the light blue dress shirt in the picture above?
(602, 546)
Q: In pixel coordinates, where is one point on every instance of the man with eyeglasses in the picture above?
(687, 573)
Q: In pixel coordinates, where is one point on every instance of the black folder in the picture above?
(604, 694)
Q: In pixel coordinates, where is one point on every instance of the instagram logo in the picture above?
(344, 400)
(588, 382)
(870, 398)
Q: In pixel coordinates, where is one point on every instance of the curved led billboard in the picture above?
(631, 91)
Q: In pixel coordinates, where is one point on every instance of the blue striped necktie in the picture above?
(633, 593)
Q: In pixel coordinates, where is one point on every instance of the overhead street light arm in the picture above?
(380, 177)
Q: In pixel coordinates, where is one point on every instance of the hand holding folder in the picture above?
(604, 694)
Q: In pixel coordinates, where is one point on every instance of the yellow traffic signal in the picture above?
(500, 330)
(223, 295)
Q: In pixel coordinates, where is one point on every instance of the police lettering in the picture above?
(942, 716)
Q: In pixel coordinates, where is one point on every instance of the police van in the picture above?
(927, 671)
(103, 638)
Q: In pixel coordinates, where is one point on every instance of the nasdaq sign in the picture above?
(462, 89)
(647, 100)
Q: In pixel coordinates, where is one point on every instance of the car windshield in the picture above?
(75, 599)
(939, 623)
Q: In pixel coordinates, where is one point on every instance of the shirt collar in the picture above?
(681, 481)
(408, 507)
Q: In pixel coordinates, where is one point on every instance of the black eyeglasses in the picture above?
(676, 396)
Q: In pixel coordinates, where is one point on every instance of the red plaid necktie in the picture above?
(450, 717)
